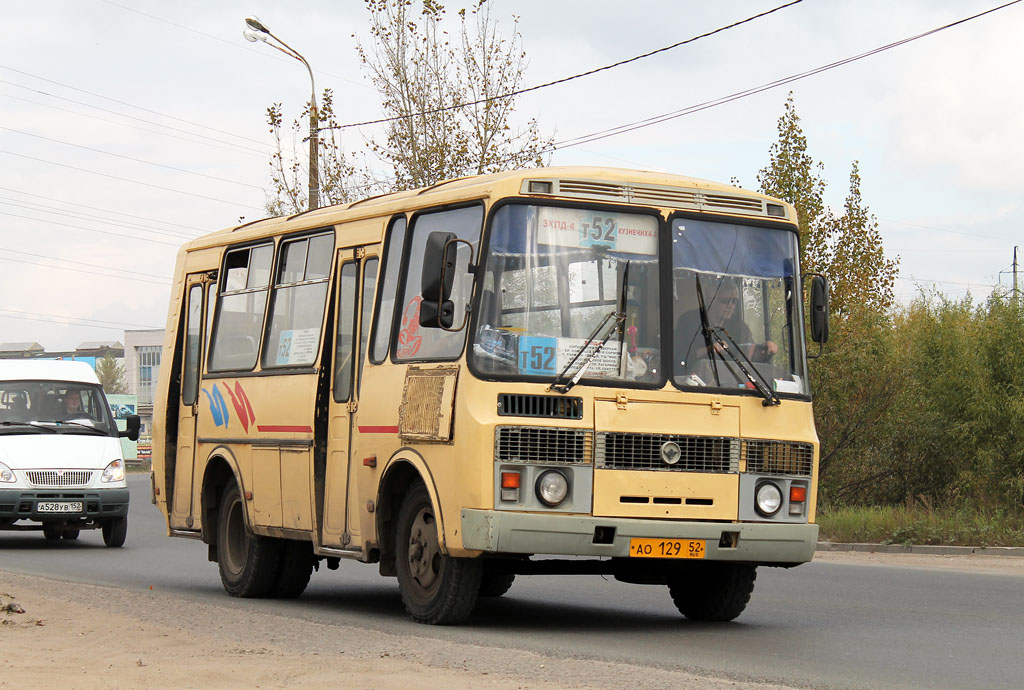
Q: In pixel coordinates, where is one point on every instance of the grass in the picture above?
(920, 525)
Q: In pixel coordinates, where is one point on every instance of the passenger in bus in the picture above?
(722, 312)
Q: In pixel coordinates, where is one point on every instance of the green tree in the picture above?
(111, 375)
(857, 379)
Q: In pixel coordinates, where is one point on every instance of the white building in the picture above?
(142, 350)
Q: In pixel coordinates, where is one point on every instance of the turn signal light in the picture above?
(797, 494)
(509, 480)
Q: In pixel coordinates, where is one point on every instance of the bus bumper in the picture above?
(494, 531)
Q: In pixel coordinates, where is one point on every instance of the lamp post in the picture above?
(256, 31)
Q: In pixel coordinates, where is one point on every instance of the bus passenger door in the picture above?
(357, 278)
(188, 403)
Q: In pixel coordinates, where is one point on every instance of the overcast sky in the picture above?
(129, 126)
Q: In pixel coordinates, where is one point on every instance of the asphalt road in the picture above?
(822, 625)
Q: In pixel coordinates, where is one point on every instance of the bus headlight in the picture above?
(767, 498)
(552, 488)
(6, 475)
(114, 472)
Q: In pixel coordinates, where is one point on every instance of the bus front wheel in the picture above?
(248, 562)
(712, 591)
(436, 589)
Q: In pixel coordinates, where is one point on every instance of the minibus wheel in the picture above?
(712, 591)
(436, 589)
(52, 532)
(114, 532)
(248, 563)
(293, 570)
(70, 534)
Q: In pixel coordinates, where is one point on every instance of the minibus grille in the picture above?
(552, 406)
(779, 457)
(59, 478)
(538, 444)
(626, 451)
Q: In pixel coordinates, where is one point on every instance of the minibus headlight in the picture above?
(6, 475)
(114, 472)
(552, 488)
(767, 498)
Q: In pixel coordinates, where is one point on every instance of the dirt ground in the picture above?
(58, 634)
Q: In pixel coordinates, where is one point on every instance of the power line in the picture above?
(230, 43)
(79, 263)
(30, 206)
(130, 105)
(129, 158)
(563, 80)
(125, 179)
(227, 145)
(689, 110)
(104, 210)
(79, 270)
(80, 227)
(69, 320)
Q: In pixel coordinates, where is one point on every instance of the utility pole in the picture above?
(1016, 293)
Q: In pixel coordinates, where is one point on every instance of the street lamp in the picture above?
(256, 31)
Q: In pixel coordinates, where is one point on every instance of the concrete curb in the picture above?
(924, 549)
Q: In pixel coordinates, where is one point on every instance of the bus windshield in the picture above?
(745, 277)
(552, 275)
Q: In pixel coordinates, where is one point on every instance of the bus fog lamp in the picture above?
(552, 488)
(767, 499)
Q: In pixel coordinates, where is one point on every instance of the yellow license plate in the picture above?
(666, 548)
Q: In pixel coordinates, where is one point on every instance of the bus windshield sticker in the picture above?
(297, 346)
(544, 356)
(621, 232)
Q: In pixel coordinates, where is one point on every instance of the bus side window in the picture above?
(392, 271)
(240, 307)
(414, 342)
(369, 285)
(297, 304)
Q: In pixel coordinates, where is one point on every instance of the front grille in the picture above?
(59, 478)
(541, 445)
(553, 406)
(779, 457)
(625, 451)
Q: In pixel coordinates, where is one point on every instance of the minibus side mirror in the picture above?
(133, 424)
(436, 310)
(819, 309)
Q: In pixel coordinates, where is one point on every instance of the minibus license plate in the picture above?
(666, 548)
(59, 507)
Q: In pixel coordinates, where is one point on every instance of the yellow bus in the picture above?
(572, 370)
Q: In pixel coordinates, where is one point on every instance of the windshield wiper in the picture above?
(58, 423)
(616, 317)
(717, 345)
(31, 425)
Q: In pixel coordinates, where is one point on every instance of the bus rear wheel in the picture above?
(712, 591)
(495, 582)
(293, 570)
(248, 563)
(436, 589)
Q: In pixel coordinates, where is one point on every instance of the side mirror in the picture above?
(436, 310)
(133, 424)
(819, 309)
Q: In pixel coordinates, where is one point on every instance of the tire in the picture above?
(114, 532)
(248, 563)
(294, 569)
(52, 532)
(71, 534)
(712, 591)
(494, 582)
(436, 589)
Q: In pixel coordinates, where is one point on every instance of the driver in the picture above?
(73, 405)
(723, 312)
